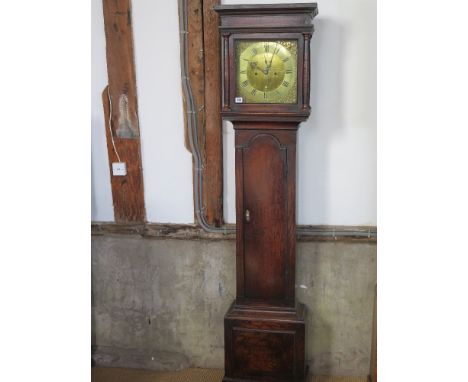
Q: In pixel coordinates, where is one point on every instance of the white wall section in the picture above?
(101, 194)
(167, 165)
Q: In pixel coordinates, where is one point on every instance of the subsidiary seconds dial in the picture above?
(266, 71)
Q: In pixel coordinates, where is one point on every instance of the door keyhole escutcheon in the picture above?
(247, 216)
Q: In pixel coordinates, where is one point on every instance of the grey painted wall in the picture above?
(160, 303)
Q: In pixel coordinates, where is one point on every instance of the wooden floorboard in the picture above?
(100, 374)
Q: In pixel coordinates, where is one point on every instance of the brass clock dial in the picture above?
(266, 71)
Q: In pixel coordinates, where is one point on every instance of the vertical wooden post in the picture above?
(121, 113)
(204, 74)
(213, 171)
(196, 70)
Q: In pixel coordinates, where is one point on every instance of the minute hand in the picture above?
(273, 55)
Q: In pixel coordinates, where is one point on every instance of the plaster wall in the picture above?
(159, 303)
(101, 194)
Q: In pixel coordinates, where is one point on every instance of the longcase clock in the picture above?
(266, 85)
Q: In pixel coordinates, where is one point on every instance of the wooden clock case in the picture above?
(265, 326)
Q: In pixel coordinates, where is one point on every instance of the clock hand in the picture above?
(273, 55)
(266, 68)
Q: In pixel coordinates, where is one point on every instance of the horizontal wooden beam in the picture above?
(193, 232)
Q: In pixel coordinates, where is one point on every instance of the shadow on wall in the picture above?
(327, 51)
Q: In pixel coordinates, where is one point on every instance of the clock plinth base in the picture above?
(264, 344)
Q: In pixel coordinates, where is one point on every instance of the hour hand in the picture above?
(266, 68)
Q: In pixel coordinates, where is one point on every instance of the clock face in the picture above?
(266, 71)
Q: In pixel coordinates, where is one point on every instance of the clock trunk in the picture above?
(265, 200)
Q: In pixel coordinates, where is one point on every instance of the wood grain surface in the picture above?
(203, 73)
(120, 100)
(213, 171)
(127, 191)
(99, 374)
(193, 232)
(265, 185)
